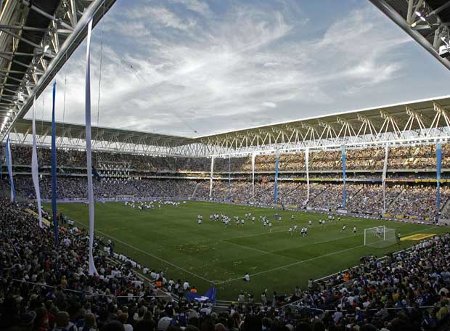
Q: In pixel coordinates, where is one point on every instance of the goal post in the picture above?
(379, 236)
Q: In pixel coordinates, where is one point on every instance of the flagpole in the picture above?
(53, 160)
(35, 167)
(10, 171)
(92, 269)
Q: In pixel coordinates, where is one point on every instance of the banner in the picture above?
(211, 178)
(229, 177)
(90, 189)
(307, 173)
(438, 176)
(96, 174)
(253, 174)
(10, 172)
(53, 161)
(210, 295)
(275, 187)
(344, 177)
(35, 167)
(383, 176)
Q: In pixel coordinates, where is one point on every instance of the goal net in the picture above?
(379, 236)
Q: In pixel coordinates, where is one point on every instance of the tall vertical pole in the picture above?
(10, 171)
(383, 176)
(53, 168)
(275, 187)
(211, 178)
(344, 176)
(35, 167)
(438, 177)
(1, 167)
(229, 177)
(307, 173)
(90, 188)
(253, 174)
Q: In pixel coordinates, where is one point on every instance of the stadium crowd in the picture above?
(372, 158)
(46, 287)
(77, 159)
(75, 188)
(365, 159)
(416, 202)
(387, 292)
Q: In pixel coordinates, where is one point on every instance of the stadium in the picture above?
(201, 165)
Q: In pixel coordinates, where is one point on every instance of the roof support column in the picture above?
(383, 176)
(211, 178)
(307, 173)
(253, 174)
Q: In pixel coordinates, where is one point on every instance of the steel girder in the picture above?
(420, 121)
(408, 128)
(426, 21)
(48, 48)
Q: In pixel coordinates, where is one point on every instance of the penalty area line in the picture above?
(307, 260)
(290, 264)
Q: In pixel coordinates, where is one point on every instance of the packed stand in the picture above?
(386, 293)
(372, 158)
(46, 287)
(416, 201)
(77, 159)
(75, 188)
(369, 200)
(412, 157)
(365, 158)
(234, 164)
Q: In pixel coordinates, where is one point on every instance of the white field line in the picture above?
(248, 247)
(226, 241)
(290, 264)
(153, 256)
(307, 260)
(240, 278)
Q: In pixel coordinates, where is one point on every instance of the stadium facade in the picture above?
(379, 162)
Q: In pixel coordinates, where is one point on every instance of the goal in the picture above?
(379, 236)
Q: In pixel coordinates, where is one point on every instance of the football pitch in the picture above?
(169, 239)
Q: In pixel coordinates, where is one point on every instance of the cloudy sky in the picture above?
(193, 68)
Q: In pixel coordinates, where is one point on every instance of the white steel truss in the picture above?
(406, 127)
(419, 122)
(65, 31)
(427, 22)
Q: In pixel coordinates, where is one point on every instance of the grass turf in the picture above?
(170, 239)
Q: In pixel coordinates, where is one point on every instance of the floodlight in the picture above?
(419, 14)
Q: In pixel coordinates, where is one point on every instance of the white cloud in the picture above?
(269, 104)
(184, 66)
(197, 6)
(169, 19)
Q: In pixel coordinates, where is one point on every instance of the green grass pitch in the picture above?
(170, 239)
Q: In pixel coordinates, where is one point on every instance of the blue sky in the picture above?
(192, 68)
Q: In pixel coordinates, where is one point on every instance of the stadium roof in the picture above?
(422, 120)
(73, 131)
(426, 21)
(399, 122)
(178, 69)
(36, 39)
